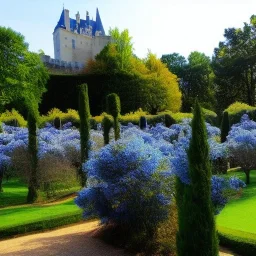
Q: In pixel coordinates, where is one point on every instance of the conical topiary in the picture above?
(107, 123)
(84, 114)
(143, 122)
(197, 232)
(114, 108)
(225, 126)
(33, 185)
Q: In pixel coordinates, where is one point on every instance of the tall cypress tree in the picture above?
(225, 126)
(197, 231)
(84, 114)
(107, 123)
(33, 186)
(114, 108)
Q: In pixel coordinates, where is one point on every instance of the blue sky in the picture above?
(163, 26)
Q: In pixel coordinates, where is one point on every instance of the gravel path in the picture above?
(75, 240)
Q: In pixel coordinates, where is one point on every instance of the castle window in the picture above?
(81, 42)
(73, 44)
(66, 38)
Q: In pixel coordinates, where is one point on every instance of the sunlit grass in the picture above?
(239, 214)
(15, 193)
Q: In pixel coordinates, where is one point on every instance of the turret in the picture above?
(99, 27)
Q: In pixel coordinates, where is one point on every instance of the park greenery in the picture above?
(157, 179)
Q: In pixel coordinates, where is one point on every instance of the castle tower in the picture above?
(78, 40)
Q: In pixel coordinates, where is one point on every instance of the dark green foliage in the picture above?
(143, 122)
(12, 122)
(219, 166)
(1, 128)
(84, 114)
(197, 232)
(107, 123)
(57, 123)
(62, 92)
(114, 108)
(32, 149)
(169, 120)
(113, 105)
(234, 65)
(117, 128)
(93, 124)
(195, 74)
(225, 127)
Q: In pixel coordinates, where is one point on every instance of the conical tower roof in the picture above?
(99, 26)
(61, 23)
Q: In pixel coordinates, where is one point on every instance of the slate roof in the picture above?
(87, 27)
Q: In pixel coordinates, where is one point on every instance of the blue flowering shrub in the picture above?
(224, 189)
(58, 153)
(241, 143)
(129, 184)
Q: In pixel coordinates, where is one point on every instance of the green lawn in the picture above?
(15, 193)
(239, 214)
(15, 212)
(14, 216)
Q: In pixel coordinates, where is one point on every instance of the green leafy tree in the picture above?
(12, 50)
(234, 65)
(22, 78)
(162, 89)
(147, 83)
(196, 215)
(195, 78)
(176, 63)
(124, 47)
(84, 114)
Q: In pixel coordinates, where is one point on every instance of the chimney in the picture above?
(78, 18)
(87, 18)
(66, 19)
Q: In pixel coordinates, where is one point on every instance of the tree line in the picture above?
(217, 82)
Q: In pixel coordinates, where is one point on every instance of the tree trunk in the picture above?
(247, 173)
(32, 148)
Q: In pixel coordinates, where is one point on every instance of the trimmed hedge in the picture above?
(62, 91)
(13, 118)
(133, 117)
(210, 116)
(40, 225)
(240, 242)
(237, 109)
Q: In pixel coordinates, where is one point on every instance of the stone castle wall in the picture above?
(57, 66)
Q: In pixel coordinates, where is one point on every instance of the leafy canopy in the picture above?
(22, 73)
(234, 65)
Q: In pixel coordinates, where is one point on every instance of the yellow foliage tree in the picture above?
(165, 93)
